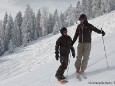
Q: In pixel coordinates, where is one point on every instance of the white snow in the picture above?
(35, 65)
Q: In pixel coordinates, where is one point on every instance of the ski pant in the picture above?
(63, 66)
(83, 52)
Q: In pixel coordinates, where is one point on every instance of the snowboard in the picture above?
(63, 81)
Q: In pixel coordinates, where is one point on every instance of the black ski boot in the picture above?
(60, 77)
(63, 77)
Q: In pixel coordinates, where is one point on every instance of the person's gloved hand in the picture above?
(103, 33)
(73, 51)
(73, 54)
(57, 57)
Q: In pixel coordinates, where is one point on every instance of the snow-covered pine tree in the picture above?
(63, 20)
(44, 21)
(11, 46)
(78, 10)
(56, 28)
(1, 39)
(95, 8)
(70, 15)
(86, 7)
(36, 35)
(1, 46)
(17, 30)
(105, 6)
(57, 23)
(5, 21)
(112, 4)
(50, 24)
(8, 31)
(38, 28)
(33, 31)
(28, 26)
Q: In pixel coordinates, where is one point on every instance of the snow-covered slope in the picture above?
(35, 65)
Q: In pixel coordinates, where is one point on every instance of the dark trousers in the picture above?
(63, 66)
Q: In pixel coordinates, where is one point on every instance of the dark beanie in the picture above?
(62, 30)
(83, 16)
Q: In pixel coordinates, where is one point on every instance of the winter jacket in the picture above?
(84, 32)
(63, 45)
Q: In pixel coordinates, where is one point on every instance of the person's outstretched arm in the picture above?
(97, 30)
(75, 36)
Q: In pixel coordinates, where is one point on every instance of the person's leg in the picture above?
(86, 53)
(62, 67)
(79, 57)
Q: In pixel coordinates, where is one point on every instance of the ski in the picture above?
(83, 75)
(78, 76)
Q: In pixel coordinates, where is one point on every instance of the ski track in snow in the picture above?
(35, 64)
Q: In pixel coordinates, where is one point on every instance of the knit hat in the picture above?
(83, 16)
(62, 30)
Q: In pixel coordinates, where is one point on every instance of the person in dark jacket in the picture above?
(62, 50)
(84, 31)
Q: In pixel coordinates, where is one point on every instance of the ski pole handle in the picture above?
(101, 29)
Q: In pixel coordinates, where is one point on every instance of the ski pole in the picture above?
(105, 50)
(68, 65)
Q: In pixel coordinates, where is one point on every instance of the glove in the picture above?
(73, 54)
(103, 33)
(73, 51)
(57, 56)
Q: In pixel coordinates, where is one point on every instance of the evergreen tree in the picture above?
(8, 31)
(63, 20)
(28, 26)
(86, 7)
(105, 6)
(44, 21)
(11, 46)
(50, 24)
(57, 22)
(78, 10)
(95, 8)
(33, 31)
(70, 15)
(56, 28)
(38, 28)
(1, 39)
(112, 4)
(5, 21)
(17, 30)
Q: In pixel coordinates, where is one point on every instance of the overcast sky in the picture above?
(13, 6)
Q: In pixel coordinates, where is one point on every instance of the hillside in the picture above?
(35, 65)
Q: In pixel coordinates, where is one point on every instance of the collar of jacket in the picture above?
(64, 35)
(85, 22)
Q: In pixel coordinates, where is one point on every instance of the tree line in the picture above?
(23, 29)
